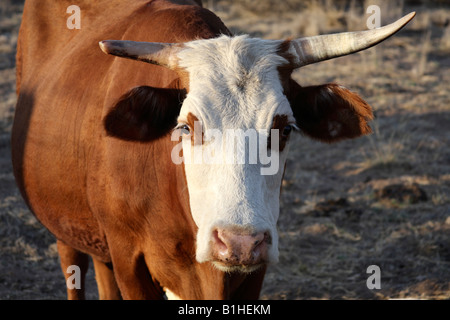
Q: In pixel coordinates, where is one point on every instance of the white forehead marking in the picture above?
(234, 82)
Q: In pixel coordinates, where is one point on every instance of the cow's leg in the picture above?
(106, 282)
(71, 257)
(134, 279)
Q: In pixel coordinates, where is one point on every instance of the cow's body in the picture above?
(126, 203)
(60, 151)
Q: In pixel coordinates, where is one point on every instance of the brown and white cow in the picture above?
(93, 140)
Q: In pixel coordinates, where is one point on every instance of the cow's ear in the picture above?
(144, 113)
(330, 112)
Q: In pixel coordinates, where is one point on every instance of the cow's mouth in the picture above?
(243, 268)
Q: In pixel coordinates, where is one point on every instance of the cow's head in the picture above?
(240, 100)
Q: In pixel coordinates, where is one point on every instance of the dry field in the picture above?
(379, 200)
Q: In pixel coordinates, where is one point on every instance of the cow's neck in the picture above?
(176, 253)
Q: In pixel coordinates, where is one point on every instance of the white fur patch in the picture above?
(170, 295)
(234, 84)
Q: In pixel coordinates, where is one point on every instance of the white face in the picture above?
(233, 84)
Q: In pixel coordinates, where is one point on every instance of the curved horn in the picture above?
(319, 48)
(152, 52)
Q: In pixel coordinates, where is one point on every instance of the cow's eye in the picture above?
(287, 130)
(184, 129)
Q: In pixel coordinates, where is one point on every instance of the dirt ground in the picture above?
(379, 200)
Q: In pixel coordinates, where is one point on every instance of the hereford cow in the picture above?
(97, 140)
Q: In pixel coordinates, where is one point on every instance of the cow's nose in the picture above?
(233, 247)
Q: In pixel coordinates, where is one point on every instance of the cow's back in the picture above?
(66, 85)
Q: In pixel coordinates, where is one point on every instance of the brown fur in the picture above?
(330, 112)
(145, 113)
(196, 136)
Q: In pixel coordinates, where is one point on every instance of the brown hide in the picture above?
(122, 202)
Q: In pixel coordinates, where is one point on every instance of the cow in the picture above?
(102, 108)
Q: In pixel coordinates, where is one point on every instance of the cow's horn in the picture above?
(152, 52)
(319, 48)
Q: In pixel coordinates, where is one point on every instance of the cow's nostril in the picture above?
(263, 237)
(221, 247)
(239, 248)
(259, 239)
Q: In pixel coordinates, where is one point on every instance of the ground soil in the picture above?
(381, 200)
